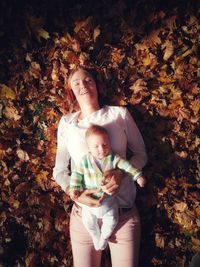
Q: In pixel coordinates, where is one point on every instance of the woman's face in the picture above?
(84, 87)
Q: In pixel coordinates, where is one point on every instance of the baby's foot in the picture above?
(96, 243)
(96, 246)
(103, 244)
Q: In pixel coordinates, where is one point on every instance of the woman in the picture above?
(71, 146)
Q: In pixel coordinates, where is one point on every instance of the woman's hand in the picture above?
(87, 198)
(111, 181)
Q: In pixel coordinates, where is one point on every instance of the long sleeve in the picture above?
(61, 171)
(77, 178)
(127, 167)
(135, 142)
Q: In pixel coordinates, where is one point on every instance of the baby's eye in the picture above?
(105, 145)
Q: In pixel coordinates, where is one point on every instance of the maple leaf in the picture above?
(117, 55)
(41, 178)
(10, 112)
(7, 92)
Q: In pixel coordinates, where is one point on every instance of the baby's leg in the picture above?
(90, 222)
(109, 222)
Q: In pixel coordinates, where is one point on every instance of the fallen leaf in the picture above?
(6, 92)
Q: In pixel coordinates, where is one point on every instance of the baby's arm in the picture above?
(135, 173)
(76, 182)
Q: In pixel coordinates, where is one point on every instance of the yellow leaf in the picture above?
(160, 241)
(117, 55)
(11, 112)
(96, 33)
(14, 202)
(147, 60)
(30, 259)
(185, 220)
(169, 50)
(6, 92)
(22, 154)
(81, 24)
(41, 178)
(181, 206)
(130, 61)
(118, 100)
(165, 78)
(42, 33)
(195, 106)
(122, 102)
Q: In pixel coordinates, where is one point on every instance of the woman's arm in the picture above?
(61, 172)
(135, 142)
(136, 146)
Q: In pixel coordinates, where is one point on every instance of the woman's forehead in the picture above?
(80, 73)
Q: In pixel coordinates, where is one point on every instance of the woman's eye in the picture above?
(76, 83)
(88, 80)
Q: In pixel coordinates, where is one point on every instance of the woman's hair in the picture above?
(95, 130)
(95, 75)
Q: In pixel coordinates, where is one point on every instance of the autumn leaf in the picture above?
(96, 33)
(168, 49)
(160, 240)
(41, 33)
(153, 38)
(6, 92)
(41, 178)
(22, 155)
(146, 56)
(10, 112)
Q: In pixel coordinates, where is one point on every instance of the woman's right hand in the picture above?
(87, 198)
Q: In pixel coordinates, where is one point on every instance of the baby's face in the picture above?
(99, 145)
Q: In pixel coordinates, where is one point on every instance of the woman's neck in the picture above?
(87, 110)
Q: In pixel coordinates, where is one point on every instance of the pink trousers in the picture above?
(124, 242)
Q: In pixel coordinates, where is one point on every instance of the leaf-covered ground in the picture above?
(130, 42)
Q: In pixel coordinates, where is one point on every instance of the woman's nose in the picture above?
(82, 83)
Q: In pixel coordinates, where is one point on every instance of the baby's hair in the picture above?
(95, 129)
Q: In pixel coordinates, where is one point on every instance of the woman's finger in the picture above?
(110, 188)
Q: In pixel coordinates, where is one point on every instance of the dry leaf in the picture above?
(168, 49)
(96, 33)
(6, 92)
(160, 240)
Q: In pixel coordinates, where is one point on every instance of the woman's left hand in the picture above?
(111, 181)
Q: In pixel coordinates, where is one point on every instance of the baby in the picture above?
(89, 174)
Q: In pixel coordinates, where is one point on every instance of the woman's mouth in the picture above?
(84, 92)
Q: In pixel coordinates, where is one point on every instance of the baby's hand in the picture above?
(74, 194)
(141, 181)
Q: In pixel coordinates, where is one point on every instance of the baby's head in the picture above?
(98, 141)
